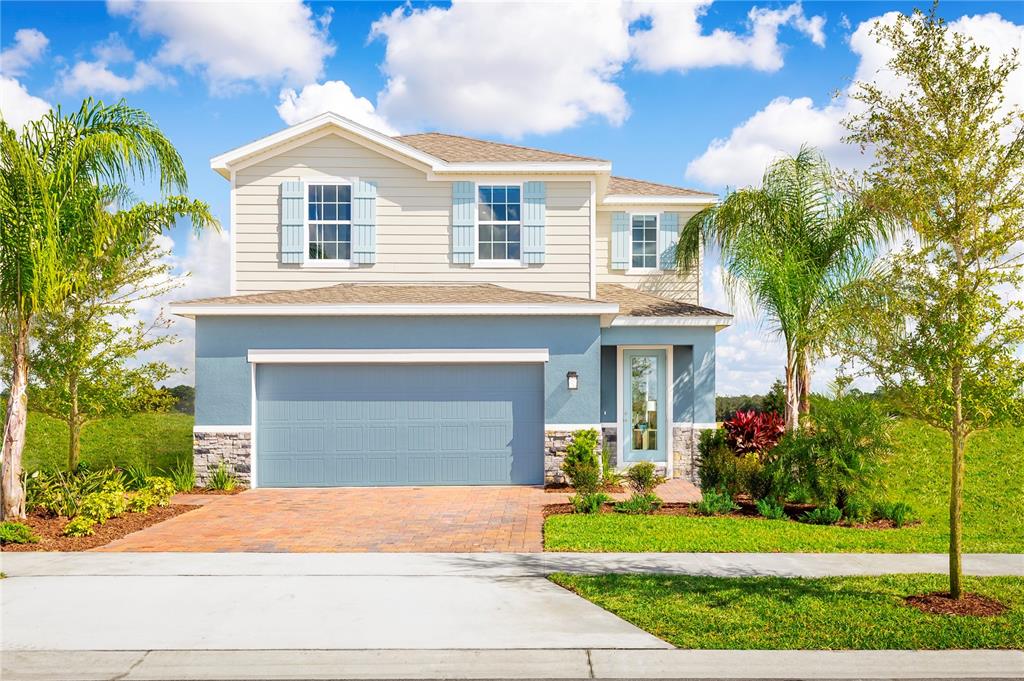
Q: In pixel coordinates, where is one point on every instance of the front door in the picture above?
(644, 416)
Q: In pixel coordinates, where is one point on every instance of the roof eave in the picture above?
(718, 322)
(663, 199)
(349, 310)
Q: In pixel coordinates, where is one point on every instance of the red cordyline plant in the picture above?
(751, 431)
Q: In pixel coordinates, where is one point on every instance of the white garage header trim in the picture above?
(386, 356)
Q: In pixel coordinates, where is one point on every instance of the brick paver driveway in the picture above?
(428, 519)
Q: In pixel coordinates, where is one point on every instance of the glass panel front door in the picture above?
(644, 417)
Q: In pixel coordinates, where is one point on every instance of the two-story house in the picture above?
(432, 309)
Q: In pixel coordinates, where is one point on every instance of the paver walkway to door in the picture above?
(415, 519)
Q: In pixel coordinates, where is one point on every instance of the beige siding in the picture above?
(413, 226)
(663, 283)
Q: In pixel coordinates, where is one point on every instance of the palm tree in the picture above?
(793, 245)
(58, 179)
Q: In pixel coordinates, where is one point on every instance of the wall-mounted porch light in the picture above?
(572, 379)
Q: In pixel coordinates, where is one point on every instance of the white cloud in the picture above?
(17, 106)
(335, 96)
(506, 68)
(785, 123)
(29, 45)
(97, 77)
(676, 40)
(234, 44)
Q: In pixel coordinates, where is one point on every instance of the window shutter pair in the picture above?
(533, 219)
(668, 225)
(364, 222)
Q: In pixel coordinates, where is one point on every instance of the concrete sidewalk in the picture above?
(229, 665)
(496, 564)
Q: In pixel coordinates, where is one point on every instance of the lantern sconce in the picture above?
(572, 379)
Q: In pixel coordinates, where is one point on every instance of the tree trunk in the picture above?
(956, 491)
(805, 385)
(792, 392)
(74, 427)
(12, 494)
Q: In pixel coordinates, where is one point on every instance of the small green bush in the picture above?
(715, 502)
(857, 510)
(823, 515)
(135, 475)
(588, 503)
(610, 476)
(17, 533)
(899, 513)
(643, 478)
(141, 501)
(162, 489)
(716, 464)
(183, 475)
(102, 506)
(581, 465)
(221, 478)
(80, 526)
(59, 493)
(770, 509)
(639, 504)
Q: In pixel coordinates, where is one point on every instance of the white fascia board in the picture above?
(389, 356)
(643, 200)
(187, 310)
(702, 320)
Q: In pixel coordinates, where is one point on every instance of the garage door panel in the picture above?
(399, 425)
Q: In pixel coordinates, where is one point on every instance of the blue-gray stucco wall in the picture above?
(223, 374)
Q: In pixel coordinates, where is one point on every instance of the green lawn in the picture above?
(161, 440)
(837, 613)
(917, 474)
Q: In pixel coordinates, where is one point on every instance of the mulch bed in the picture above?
(940, 603)
(202, 490)
(50, 529)
(563, 488)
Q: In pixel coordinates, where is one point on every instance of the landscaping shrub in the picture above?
(590, 502)
(101, 506)
(610, 476)
(221, 479)
(183, 475)
(162, 489)
(643, 478)
(135, 475)
(715, 503)
(16, 533)
(80, 526)
(60, 493)
(857, 510)
(639, 504)
(581, 465)
(752, 431)
(141, 501)
(823, 515)
(899, 512)
(770, 509)
(716, 463)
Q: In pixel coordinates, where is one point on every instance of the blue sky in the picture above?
(698, 95)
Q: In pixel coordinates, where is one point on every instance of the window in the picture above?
(329, 221)
(498, 223)
(644, 243)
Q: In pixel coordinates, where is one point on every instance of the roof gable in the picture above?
(459, 149)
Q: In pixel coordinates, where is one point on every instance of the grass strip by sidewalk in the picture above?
(775, 613)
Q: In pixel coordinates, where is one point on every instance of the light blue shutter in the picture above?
(364, 222)
(620, 241)
(463, 222)
(292, 223)
(669, 239)
(534, 212)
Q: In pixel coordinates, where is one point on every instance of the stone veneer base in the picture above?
(233, 448)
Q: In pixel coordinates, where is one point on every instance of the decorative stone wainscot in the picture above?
(685, 438)
(233, 448)
(555, 442)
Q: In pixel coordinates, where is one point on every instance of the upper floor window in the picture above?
(644, 242)
(329, 221)
(498, 222)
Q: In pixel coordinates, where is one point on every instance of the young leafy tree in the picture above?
(941, 324)
(794, 244)
(83, 358)
(54, 224)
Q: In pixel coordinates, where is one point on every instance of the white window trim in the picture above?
(657, 243)
(491, 263)
(318, 263)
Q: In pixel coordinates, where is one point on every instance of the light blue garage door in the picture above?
(360, 425)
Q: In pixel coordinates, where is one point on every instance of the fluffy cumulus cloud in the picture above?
(98, 75)
(786, 123)
(676, 40)
(234, 45)
(17, 105)
(507, 68)
(335, 96)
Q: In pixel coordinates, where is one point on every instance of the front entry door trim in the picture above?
(622, 394)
